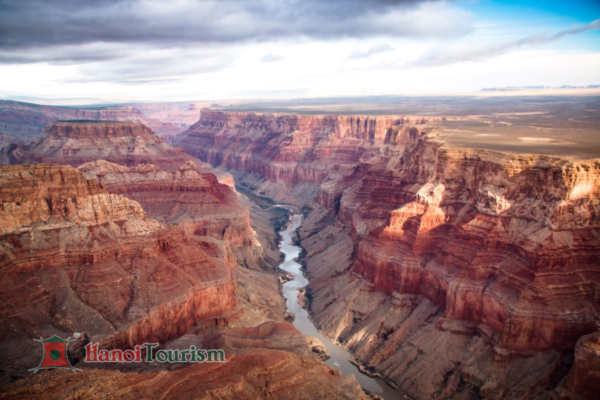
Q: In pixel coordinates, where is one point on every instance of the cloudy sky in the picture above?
(150, 50)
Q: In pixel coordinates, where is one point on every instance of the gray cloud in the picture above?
(161, 67)
(66, 54)
(269, 58)
(371, 51)
(140, 41)
(452, 55)
(35, 24)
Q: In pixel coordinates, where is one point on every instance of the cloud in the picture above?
(67, 54)
(163, 65)
(35, 24)
(269, 58)
(456, 54)
(139, 41)
(382, 48)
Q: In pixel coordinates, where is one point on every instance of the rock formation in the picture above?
(78, 142)
(584, 378)
(76, 258)
(79, 253)
(284, 150)
(125, 143)
(449, 272)
(172, 186)
(191, 199)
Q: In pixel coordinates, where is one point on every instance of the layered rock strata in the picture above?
(447, 271)
(24, 122)
(468, 271)
(126, 143)
(171, 186)
(195, 201)
(290, 151)
(76, 258)
(584, 378)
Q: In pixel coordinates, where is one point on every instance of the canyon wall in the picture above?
(76, 258)
(80, 253)
(291, 155)
(191, 199)
(449, 272)
(172, 186)
(78, 142)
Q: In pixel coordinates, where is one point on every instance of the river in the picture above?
(339, 356)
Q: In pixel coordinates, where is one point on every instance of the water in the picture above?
(339, 356)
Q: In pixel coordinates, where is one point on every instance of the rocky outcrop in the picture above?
(75, 258)
(466, 244)
(126, 143)
(191, 199)
(447, 271)
(172, 186)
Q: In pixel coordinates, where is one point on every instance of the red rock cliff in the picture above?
(508, 241)
(76, 258)
(125, 143)
(434, 266)
(194, 200)
(191, 196)
(291, 148)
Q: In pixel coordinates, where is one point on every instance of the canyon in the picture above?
(447, 271)
(143, 243)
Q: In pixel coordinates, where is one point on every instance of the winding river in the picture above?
(339, 356)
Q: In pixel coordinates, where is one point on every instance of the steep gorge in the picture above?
(449, 272)
(76, 257)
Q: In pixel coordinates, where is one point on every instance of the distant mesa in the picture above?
(540, 87)
(23, 122)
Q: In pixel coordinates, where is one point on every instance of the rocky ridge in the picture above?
(77, 142)
(172, 186)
